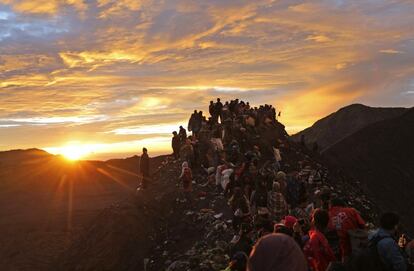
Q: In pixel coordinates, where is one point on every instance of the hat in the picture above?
(262, 211)
(290, 221)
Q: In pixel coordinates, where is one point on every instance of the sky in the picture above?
(109, 77)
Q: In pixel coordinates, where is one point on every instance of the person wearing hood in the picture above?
(186, 179)
(276, 251)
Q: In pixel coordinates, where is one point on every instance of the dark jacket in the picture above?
(175, 143)
(390, 252)
(144, 164)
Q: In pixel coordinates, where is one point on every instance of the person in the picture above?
(276, 251)
(389, 252)
(281, 179)
(218, 109)
(294, 190)
(144, 168)
(238, 262)
(240, 207)
(182, 134)
(317, 249)
(187, 152)
(186, 178)
(277, 203)
(243, 242)
(175, 144)
(344, 219)
(212, 110)
(258, 198)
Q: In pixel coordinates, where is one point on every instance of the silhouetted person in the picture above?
(175, 144)
(192, 121)
(144, 168)
(182, 134)
(218, 108)
(212, 109)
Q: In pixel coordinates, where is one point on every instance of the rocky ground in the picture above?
(156, 230)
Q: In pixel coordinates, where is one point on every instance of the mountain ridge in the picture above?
(345, 121)
(381, 157)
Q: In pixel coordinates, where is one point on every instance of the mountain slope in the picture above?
(381, 156)
(47, 202)
(344, 122)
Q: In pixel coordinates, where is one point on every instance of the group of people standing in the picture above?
(284, 217)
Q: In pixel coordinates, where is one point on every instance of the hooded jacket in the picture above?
(276, 252)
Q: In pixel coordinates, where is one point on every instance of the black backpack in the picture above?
(368, 259)
(334, 243)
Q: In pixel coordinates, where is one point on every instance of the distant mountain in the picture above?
(381, 157)
(47, 201)
(344, 122)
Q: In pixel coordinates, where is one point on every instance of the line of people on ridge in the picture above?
(283, 221)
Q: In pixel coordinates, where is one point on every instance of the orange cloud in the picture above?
(117, 65)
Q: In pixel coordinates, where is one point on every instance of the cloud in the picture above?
(49, 7)
(118, 71)
(391, 51)
(319, 38)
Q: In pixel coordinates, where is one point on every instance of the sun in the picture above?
(74, 152)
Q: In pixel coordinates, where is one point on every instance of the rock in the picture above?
(188, 213)
(178, 266)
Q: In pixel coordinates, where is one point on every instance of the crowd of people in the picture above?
(284, 217)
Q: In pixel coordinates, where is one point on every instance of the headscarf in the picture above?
(184, 167)
(276, 252)
(290, 221)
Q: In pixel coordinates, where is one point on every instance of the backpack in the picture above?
(334, 243)
(368, 258)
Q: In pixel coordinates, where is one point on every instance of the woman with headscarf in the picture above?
(186, 178)
(276, 252)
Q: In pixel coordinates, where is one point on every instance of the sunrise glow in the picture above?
(146, 65)
(74, 152)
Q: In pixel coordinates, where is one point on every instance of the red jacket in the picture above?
(318, 252)
(187, 179)
(343, 219)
